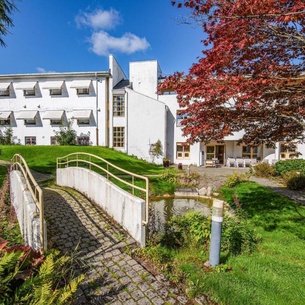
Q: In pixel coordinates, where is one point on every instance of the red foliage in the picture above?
(251, 77)
(29, 262)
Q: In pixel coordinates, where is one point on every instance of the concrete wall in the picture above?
(145, 126)
(144, 77)
(26, 211)
(126, 209)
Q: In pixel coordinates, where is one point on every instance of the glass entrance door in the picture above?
(216, 152)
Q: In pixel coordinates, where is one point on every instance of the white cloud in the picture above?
(99, 19)
(103, 43)
(42, 70)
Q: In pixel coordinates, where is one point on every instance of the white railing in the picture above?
(79, 159)
(18, 163)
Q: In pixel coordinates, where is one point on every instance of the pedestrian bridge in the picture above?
(75, 224)
(123, 195)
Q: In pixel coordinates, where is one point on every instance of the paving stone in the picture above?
(157, 301)
(137, 295)
(144, 301)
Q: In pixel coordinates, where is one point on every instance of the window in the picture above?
(118, 136)
(183, 150)
(83, 140)
(179, 117)
(288, 151)
(29, 92)
(250, 152)
(83, 121)
(210, 152)
(82, 91)
(118, 105)
(53, 141)
(56, 122)
(30, 122)
(5, 92)
(30, 140)
(5, 122)
(57, 91)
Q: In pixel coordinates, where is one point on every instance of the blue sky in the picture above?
(78, 35)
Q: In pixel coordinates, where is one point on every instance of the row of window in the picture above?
(33, 122)
(118, 139)
(55, 88)
(81, 140)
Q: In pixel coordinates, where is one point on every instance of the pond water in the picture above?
(164, 209)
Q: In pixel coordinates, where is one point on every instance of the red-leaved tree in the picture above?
(252, 73)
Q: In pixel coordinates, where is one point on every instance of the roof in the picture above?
(122, 84)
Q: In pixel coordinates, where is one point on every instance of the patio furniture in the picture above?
(212, 162)
(240, 162)
(230, 162)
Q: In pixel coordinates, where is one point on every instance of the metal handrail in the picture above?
(65, 162)
(18, 162)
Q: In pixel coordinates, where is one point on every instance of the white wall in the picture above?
(146, 124)
(126, 209)
(144, 77)
(26, 211)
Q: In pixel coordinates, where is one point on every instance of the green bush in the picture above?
(191, 228)
(264, 170)
(284, 166)
(238, 236)
(235, 179)
(294, 180)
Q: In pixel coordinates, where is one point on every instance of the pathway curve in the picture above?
(113, 276)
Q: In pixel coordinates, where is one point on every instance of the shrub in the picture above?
(238, 236)
(191, 228)
(284, 166)
(294, 180)
(235, 179)
(264, 170)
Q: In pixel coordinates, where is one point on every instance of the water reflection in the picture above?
(164, 209)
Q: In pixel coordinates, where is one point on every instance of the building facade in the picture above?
(106, 108)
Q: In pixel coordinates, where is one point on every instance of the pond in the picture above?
(164, 209)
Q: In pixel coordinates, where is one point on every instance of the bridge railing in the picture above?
(18, 163)
(109, 170)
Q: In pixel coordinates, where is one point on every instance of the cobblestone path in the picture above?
(112, 276)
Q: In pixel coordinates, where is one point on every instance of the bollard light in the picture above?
(217, 219)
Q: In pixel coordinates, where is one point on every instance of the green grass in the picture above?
(43, 159)
(273, 274)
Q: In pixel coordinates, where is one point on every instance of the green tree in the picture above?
(7, 8)
(66, 135)
(6, 136)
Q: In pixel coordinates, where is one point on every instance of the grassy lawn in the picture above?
(273, 274)
(43, 158)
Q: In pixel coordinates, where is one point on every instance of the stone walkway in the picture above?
(112, 276)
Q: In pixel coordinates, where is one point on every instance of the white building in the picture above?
(108, 109)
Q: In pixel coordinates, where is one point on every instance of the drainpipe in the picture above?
(96, 110)
(126, 115)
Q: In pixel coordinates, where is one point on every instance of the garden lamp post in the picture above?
(217, 219)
